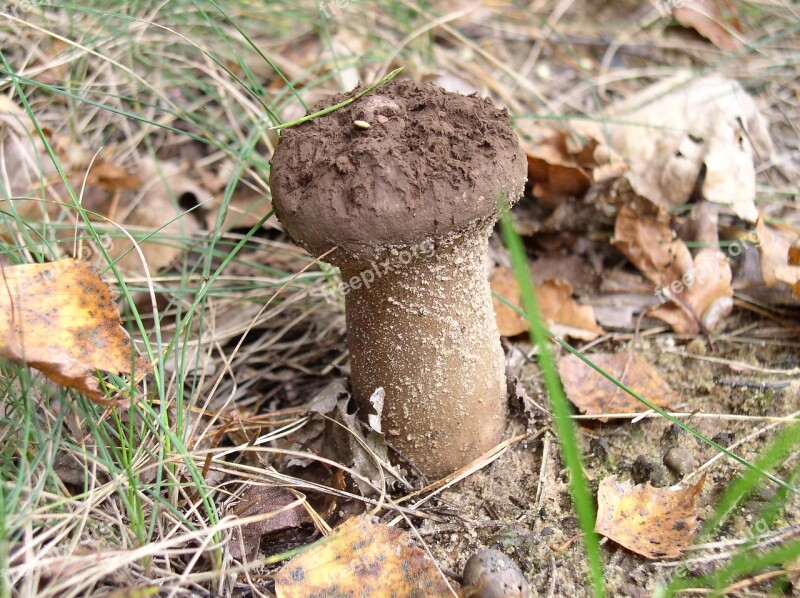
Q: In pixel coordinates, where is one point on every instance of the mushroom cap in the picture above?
(406, 163)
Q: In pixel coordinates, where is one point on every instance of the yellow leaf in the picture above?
(654, 522)
(61, 319)
(362, 559)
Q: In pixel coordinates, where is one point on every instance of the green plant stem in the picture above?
(565, 427)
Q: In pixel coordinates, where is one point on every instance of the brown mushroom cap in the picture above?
(429, 165)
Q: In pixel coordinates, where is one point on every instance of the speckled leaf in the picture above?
(595, 395)
(61, 319)
(362, 559)
(656, 523)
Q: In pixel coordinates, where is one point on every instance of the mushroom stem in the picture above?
(425, 331)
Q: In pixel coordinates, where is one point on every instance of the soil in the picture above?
(422, 164)
(520, 503)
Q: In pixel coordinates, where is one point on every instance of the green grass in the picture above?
(772, 457)
(149, 478)
(565, 427)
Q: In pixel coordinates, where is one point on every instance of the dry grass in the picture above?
(96, 502)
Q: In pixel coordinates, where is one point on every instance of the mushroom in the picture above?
(405, 206)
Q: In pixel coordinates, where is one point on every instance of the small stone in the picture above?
(724, 439)
(491, 574)
(679, 461)
(764, 493)
(672, 433)
(598, 448)
(645, 469)
(696, 347)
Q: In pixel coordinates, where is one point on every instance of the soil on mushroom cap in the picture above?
(431, 162)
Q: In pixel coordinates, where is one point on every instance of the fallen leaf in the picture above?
(157, 210)
(793, 274)
(245, 209)
(570, 267)
(779, 256)
(656, 523)
(362, 559)
(24, 166)
(112, 177)
(341, 436)
(794, 254)
(642, 232)
(563, 315)
(273, 503)
(61, 319)
(723, 29)
(504, 284)
(685, 125)
(696, 293)
(700, 298)
(554, 172)
(595, 395)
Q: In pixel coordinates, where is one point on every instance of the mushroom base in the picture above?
(425, 331)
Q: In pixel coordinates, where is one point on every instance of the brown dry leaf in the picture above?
(595, 395)
(509, 321)
(362, 559)
(791, 276)
(576, 270)
(245, 209)
(701, 297)
(718, 24)
(695, 293)
(554, 172)
(272, 502)
(562, 314)
(794, 270)
(143, 201)
(780, 256)
(656, 523)
(683, 126)
(157, 209)
(61, 319)
(794, 254)
(23, 167)
(112, 177)
(642, 232)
